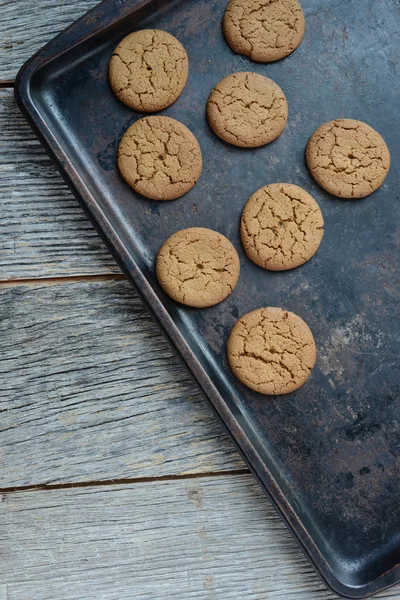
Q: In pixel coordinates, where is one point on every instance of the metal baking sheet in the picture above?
(329, 454)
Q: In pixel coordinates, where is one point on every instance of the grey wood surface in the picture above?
(43, 230)
(91, 391)
(203, 539)
(26, 25)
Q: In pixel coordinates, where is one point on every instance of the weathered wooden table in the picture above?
(116, 480)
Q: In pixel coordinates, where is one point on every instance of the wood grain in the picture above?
(91, 391)
(21, 34)
(205, 539)
(43, 230)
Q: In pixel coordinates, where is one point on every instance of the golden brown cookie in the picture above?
(148, 70)
(264, 30)
(160, 158)
(348, 158)
(281, 227)
(247, 109)
(198, 267)
(272, 351)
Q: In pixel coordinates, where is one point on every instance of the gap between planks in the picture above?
(40, 281)
(6, 84)
(126, 481)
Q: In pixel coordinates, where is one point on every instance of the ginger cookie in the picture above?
(281, 227)
(148, 70)
(348, 158)
(160, 158)
(198, 267)
(264, 30)
(247, 109)
(272, 351)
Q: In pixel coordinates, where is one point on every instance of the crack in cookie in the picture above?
(264, 30)
(272, 351)
(246, 109)
(198, 267)
(281, 227)
(159, 158)
(348, 158)
(148, 70)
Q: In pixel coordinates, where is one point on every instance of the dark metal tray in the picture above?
(328, 455)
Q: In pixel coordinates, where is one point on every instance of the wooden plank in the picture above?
(91, 391)
(204, 539)
(21, 35)
(43, 231)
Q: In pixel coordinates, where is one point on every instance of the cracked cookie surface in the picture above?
(281, 227)
(198, 267)
(272, 351)
(247, 109)
(264, 30)
(148, 70)
(159, 158)
(348, 158)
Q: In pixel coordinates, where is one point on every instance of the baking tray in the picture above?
(328, 455)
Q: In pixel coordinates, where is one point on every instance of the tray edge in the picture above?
(159, 314)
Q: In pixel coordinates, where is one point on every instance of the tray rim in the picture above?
(91, 23)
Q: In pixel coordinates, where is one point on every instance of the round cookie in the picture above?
(160, 158)
(281, 227)
(247, 109)
(198, 267)
(148, 70)
(265, 30)
(348, 158)
(272, 351)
